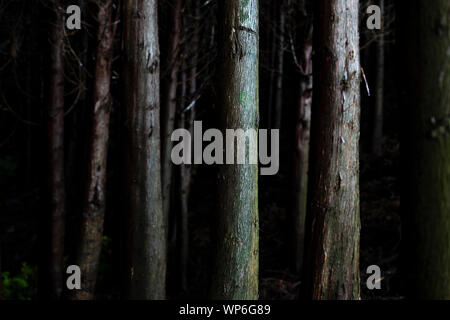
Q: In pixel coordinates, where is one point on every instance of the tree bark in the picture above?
(90, 241)
(236, 264)
(147, 232)
(377, 138)
(332, 270)
(425, 37)
(301, 148)
(56, 152)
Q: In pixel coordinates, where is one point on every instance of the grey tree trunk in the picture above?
(147, 235)
(236, 264)
(332, 266)
(90, 242)
(425, 37)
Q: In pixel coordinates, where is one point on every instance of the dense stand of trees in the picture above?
(104, 101)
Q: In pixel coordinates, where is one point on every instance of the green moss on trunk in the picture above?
(236, 265)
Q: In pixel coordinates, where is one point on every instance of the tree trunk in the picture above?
(56, 152)
(377, 138)
(332, 270)
(187, 120)
(90, 241)
(147, 232)
(301, 149)
(170, 105)
(425, 33)
(236, 264)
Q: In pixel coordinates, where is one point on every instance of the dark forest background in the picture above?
(188, 38)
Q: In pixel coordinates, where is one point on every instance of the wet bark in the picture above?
(424, 54)
(146, 229)
(90, 241)
(236, 264)
(332, 266)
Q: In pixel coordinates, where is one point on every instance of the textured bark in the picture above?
(425, 33)
(377, 138)
(332, 270)
(236, 264)
(56, 151)
(170, 105)
(90, 241)
(147, 233)
(301, 148)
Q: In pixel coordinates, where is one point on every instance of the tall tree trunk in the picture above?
(147, 232)
(170, 105)
(236, 265)
(425, 34)
(301, 148)
(377, 138)
(187, 120)
(56, 152)
(278, 105)
(332, 270)
(90, 241)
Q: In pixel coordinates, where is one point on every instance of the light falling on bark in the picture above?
(332, 266)
(236, 264)
(146, 229)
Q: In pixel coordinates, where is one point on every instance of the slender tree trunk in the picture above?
(425, 35)
(170, 105)
(187, 121)
(147, 232)
(332, 270)
(278, 105)
(90, 242)
(56, 152)
(236, 265)
(301, 151)
(377, 138)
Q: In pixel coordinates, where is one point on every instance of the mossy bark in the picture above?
(425, 39)
(332, 265)
(146, 230)
(236, 264)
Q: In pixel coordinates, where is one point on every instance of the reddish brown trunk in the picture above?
(332, 269)
(94, 203)
(56, 151)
